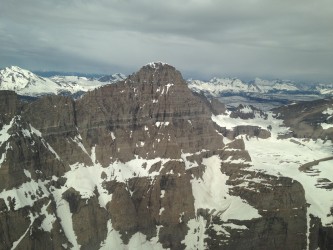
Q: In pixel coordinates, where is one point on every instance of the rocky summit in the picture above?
(145, 163)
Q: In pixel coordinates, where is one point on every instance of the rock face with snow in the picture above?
(112, 78)
(309, 119)
(147, 164)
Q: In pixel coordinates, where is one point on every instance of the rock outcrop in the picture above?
(309, 119)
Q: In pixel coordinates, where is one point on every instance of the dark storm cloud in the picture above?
(245, 38)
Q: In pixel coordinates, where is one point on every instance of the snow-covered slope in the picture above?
(218, 85)
(75, 83)
(26, 83)
(289, 158)
(325, 89)
(266, 86)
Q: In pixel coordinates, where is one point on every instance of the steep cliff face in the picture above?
(153, 108)
(141, 164)
(9, 106)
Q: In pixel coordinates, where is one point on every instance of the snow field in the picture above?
(212, 192)
(230, 123)
(279, 157)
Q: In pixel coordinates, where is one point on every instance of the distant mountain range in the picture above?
(26, 83)
(263, 94)
(220, 86)
(231, 91)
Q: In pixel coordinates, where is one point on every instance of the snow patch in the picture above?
(113, 137)
(168, 86)
(328, 111)
(78, 140)
(63, 212)
(25, 195)
(246, 110)
(155, 65)
(3, 155)
(159, 124)
(27, 173)
(161, 210)
(85, 179)
(47, 223)
(138, 241)
(113, 239)
(195, 237)
(326, 125)
(35, 131)
(212, 192)
(4, 135)
(277, 126)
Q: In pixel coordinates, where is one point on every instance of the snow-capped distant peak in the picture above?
(258, 80)
(269, 85)
(220, 86)
(17, 79)
(26, 83)
(14, 68)
(216, 86)
(15, 71)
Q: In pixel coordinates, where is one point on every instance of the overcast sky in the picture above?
(288, 39)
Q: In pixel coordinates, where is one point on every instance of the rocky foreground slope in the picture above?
(147, 164)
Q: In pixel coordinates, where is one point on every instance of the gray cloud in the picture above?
(245, 38)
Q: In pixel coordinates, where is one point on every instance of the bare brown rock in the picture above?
(151, 102)
(247, 131)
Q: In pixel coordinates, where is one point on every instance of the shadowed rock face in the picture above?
(9, 106)
(123, 162)
(308, 119)
(247, 130)
(247, 112)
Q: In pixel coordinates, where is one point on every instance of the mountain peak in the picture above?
(13, 69)
(156, 65)
(157, 73)
(15, 78)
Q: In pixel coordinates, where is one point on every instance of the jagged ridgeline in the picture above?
(145, 163)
